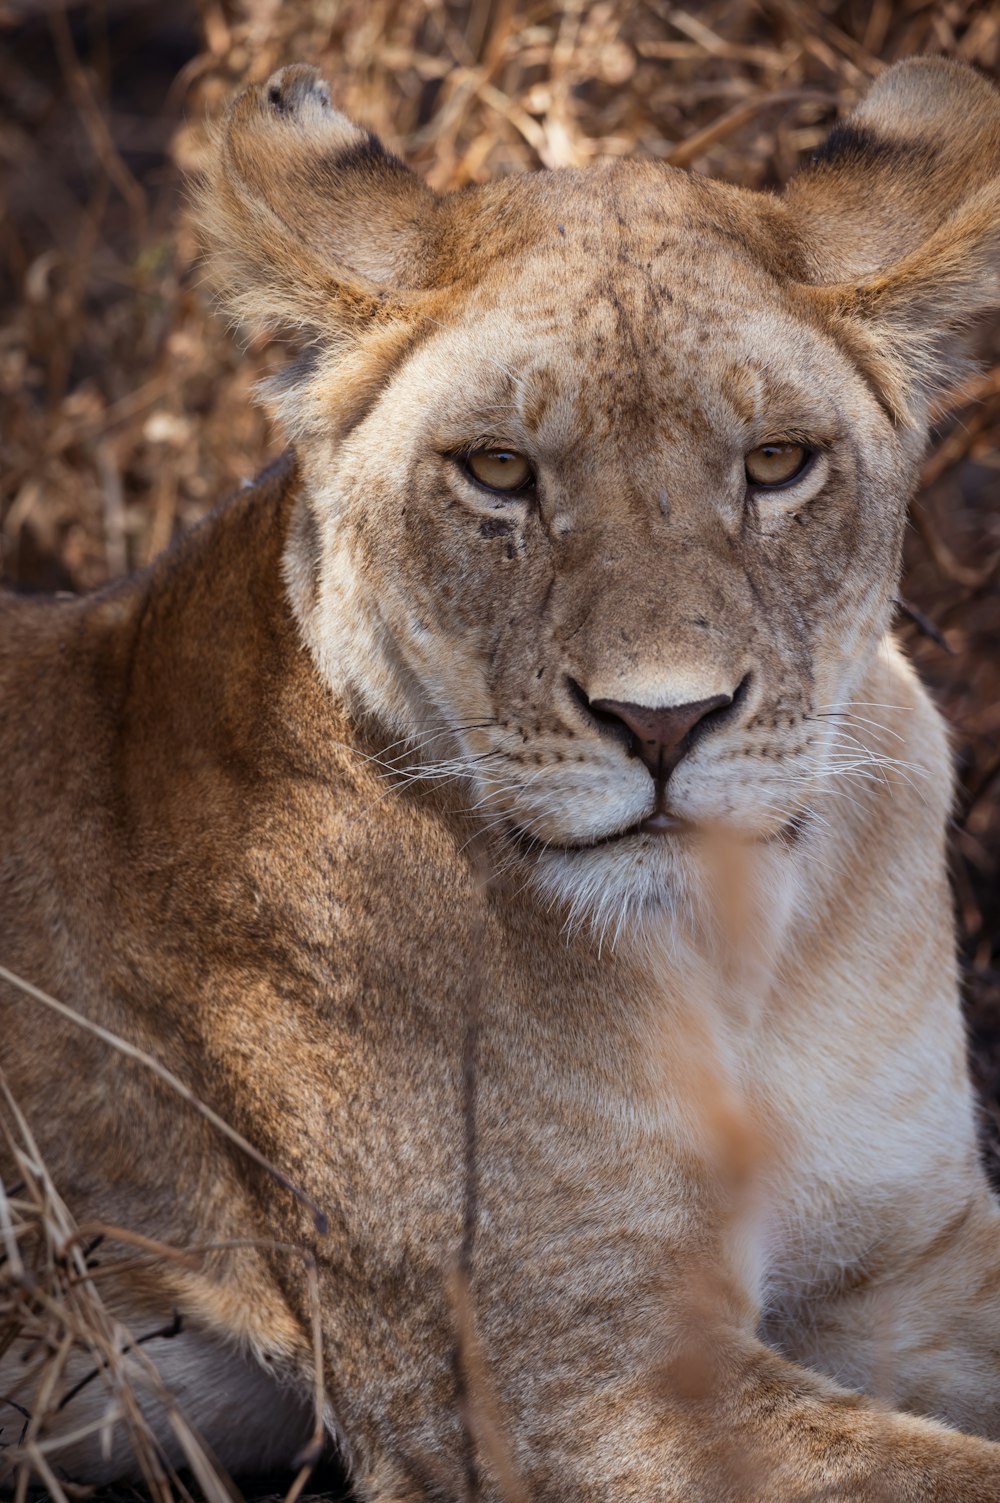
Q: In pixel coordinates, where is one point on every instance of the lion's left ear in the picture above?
(898, 223)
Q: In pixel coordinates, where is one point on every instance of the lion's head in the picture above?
(607, 470)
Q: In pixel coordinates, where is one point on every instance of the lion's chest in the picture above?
(866, 1135)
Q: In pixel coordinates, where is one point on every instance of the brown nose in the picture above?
(662, 737)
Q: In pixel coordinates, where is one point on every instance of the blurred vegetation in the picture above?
(126, 409)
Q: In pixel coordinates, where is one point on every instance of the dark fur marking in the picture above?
(368, 154)
(851, 145)
(494, 527)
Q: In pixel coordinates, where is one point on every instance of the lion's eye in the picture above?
(776, 464)
(500, 469)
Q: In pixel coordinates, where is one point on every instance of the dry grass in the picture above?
(51, 1305)
(125, 409)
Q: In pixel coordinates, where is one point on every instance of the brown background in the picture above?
(127, 407)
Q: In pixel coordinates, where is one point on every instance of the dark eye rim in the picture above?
(526, 488)
(809, 459)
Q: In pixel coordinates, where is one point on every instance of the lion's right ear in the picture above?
(307, 222)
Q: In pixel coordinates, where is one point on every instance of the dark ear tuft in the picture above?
(292, 89)
(857, 147)
(369, 153)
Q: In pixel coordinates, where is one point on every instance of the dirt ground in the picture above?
(127, 407)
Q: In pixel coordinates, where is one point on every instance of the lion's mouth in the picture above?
(661, 822)
(662, 825)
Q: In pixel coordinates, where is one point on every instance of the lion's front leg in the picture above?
(554, 1386)
(917, 1326)
(584, 1433)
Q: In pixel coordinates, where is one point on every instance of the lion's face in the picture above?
(629, 362)
(606, 471)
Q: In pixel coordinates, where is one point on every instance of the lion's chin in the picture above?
(616, 885)
(638, 884)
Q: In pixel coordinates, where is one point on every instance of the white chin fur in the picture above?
(658, 892)
(619, 889)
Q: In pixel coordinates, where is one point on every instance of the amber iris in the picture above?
(776, 464)
(500, 469)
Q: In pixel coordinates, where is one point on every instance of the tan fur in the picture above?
(303, 803)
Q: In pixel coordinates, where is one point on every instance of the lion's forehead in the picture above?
(615, 322)
(613, 360)
(640, 212)
(617, 292)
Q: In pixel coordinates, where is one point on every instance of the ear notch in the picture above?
(306, 219)
(898, 221)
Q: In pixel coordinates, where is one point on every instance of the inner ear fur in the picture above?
(898, 223)
(306, 220)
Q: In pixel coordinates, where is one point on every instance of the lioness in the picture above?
(513, 816)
